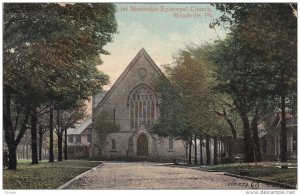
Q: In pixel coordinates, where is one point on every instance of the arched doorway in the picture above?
(142, 145)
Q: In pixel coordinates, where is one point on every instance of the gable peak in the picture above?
(142, 51)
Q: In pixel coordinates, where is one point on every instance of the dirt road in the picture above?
(138, 175)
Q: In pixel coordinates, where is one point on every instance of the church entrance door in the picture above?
(142, 145)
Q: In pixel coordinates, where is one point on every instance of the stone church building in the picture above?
(132, 104)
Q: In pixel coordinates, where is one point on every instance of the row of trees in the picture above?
(189, 108)
(256, 66)
(50, 53)
(250, 73)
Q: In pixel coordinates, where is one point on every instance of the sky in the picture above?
(161, 29)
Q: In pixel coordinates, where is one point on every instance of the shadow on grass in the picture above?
(44, 175)
(269, 172)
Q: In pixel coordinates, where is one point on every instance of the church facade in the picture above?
(133, 105)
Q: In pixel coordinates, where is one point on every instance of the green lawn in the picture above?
(287, 176)
(45, 175)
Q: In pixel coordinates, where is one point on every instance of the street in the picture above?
(146, 175)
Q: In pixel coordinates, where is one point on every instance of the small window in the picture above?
(113, 144)
(171, 144)
(78, 138)
(70, 138)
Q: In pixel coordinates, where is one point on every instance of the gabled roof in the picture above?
(291, 121)
(141, 53)
(79, 127)
(272, 123)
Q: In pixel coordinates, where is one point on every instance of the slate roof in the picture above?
(98, 97)
(79, 127)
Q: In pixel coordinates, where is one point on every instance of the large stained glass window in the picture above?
(142, 107)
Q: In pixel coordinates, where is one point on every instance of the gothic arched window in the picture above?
(142, 107)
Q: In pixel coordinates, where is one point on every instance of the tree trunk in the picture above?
(248, 147)
(9, 130)
(190, 151)
(233, 146)
(51, 152)
(40, 143)
(215, 150)
(201, 151)
(59, 133)
(195, 140)
(10, 136)
(59, 145)
(23, 151)
(34, 150)
(256, 144)
(12, 157)
(283, 140)
(27, 152)
(255, 137)
(66, 145)
(186, 152)
(207, 150)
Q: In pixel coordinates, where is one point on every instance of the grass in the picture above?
(287, 176)
(45, 175)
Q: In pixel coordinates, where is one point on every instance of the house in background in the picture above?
(79, 140)
(270, 137)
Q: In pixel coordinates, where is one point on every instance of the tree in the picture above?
(207, 142)
(220, 104)
(51, 152)
(195, 149)
(34, 66)
(201, 150)
(243, 76)
(41, 132)
(279, 50)
(14, 131)
(270, 30)
(66, 117)
(194, 76)
(34, 148)
(103, 127)
(188, 100)
(66, 145)
(229, 115)
(173, 120)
